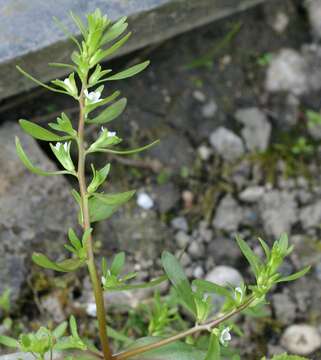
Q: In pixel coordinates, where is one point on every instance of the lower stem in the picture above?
(95, 281)
(198, 328)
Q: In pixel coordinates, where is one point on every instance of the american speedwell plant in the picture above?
(85, 84)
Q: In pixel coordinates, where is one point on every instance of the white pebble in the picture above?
(145, 201)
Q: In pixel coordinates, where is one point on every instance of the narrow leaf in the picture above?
(118, 263)
(179, 280)
(111, 113)
(28, 164)
(253, 260)
(296, 275)
(129, 152)
(102, 206)
(39, 132)
(115, 30)
(9, 341)
(60, 330)
(129, 72)
(214, 350)
(212, 288)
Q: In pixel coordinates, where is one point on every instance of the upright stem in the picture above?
(96, 284)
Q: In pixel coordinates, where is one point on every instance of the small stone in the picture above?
(281, 22)
(145, 201)
(310, 216)
(166, 196)
(198, 272)
(301, 339)
(279, 211)
(196, 250)
(91, 309)
(257, 129)
(206, 234)
(188, 198)
(182, 239)
(199, 96)
(185, 260)
(287, 72)
(228, 215)
(209, 109)
(225, 275)
(314, 13)
(180, 223)
(53, 306)
(284, 307)
(227, 144)
(204, 152)
(252, 194)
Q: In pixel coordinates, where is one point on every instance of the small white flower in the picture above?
(145, 201)
(102, 129)
(93, 96)
(103, 280)
(238, 293)
(67, 82)
(57, 146)
(111, 133)
(225, 336)
(66, 146)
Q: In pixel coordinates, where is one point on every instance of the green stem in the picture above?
(198, 328)
(96, 284)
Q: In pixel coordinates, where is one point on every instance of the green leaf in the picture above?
(129, 72)
(91, 107)
(129, 152)
(265, 247)
(118, 264)
(115, 30)
(119, 336)
(109, 114)
(179, 280)
(9, 341)
(175, 351)
(30, 77)
(296, 275)
(212, 288)
(39, 132)
(253, 260)
(73, 327)
(102, 206)
(60, 330)
(146, 285)
(68, 265)
(28, 164)
(214, 349)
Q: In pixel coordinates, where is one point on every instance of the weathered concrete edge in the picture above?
(148, 28)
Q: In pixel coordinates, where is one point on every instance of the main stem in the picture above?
(96, 284)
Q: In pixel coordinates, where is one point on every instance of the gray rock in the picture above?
(228, 215)
(196, 250)
(252, 194)
(170, 153)
(225, 275)
(227, 144)
(279, 211)
(37, 41)
(167, 196)
(209, 109)
(223, 251)
(35, 212)
(257, 129)
(284, 307)
(310, 216)
(182, 239)
(314, 13)
(141, 233)
(287, 72)
(301, 339)
(180, 223)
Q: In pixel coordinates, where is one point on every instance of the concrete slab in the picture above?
(29, 37)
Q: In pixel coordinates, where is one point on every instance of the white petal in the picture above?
(145, 201)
